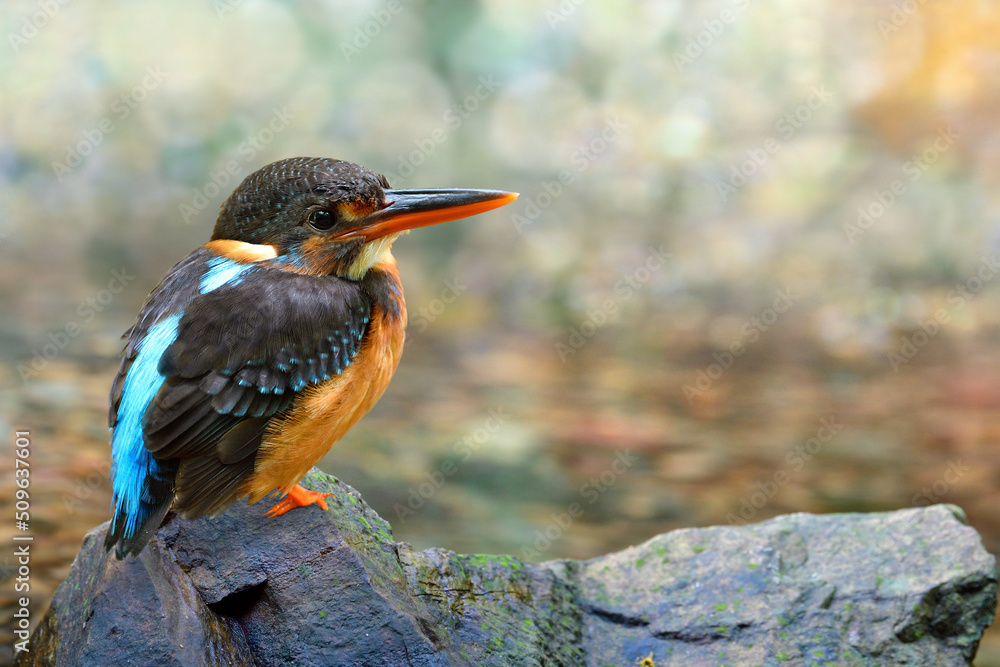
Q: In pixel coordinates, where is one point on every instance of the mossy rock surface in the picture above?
(910, 587)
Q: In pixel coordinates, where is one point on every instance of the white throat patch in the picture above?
(371, 253)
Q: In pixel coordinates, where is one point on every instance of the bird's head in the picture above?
(336, 217)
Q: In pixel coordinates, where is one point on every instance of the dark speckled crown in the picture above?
(277, 196)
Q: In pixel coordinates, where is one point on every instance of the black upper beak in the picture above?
(409, 209)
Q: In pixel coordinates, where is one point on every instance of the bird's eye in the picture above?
(321, 220)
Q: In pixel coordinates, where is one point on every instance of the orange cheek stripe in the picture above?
(242, 252)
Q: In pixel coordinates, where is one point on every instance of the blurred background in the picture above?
(752, 270)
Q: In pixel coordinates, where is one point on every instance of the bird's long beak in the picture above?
(409, 209)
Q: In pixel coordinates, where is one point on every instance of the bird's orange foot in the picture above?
(298, 496)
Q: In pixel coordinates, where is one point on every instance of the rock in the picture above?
(913, 587)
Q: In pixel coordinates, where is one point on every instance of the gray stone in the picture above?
(913, 587)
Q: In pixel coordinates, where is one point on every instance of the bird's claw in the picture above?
(298, 496)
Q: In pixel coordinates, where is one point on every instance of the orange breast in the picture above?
(322, 414)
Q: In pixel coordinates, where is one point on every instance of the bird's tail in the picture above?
(144, 490)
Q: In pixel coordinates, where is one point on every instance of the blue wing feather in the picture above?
(132, 463)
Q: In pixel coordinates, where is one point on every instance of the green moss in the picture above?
(753, 566)
(640, 562)
(698, 548)
(721, 607)
(486, 560)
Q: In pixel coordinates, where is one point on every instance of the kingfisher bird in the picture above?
(259, 350)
